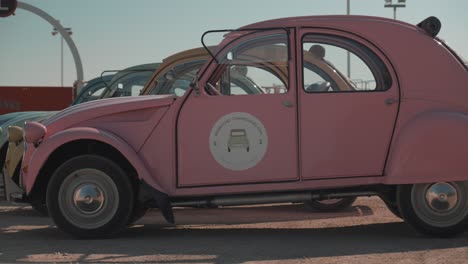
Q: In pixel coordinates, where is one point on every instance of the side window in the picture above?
(177, 79)
(97, 93)
(243, 80)
(256, 66)
(91, 94)
(130, 84)
(325, 66)
(136, 89)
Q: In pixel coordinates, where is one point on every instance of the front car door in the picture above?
(346, 124)
(241, 127)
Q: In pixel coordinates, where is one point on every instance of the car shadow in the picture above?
(151, 243)
(223, 235)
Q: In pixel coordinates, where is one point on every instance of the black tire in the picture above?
(418, 212)
(90, 196)
(339, 205)
(37, 205)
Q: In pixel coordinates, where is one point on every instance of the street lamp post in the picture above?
(400, 3)
(348, 55)
(55, 32)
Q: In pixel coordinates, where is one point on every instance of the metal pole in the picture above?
(61, 62)
(65, 35)
(394, 12)
(348, 55)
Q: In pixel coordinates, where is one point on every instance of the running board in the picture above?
(253, 199)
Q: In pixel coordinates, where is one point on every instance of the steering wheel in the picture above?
(212, 90)
(318, 87)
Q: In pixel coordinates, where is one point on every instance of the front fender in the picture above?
(40, 155)
(431, 147)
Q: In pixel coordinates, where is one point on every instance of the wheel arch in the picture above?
(71, 142)
(430, 147)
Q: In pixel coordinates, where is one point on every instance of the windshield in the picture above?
(93, 90)
(129, 82)
(177, 78)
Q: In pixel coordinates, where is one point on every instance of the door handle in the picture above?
(287, 104)
(390, 101)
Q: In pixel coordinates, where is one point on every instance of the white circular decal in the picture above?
(238, 141)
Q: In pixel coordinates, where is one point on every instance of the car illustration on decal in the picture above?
(238, 139)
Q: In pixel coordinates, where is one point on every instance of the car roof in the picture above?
(305, 21)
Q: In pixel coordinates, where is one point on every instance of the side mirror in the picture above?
(230, 56)
(179, 92)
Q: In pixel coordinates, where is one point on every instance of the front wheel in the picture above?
(437, 209)
(331, 205)
(90, 196)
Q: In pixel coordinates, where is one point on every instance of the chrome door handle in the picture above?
(287, 104)
(390, 101)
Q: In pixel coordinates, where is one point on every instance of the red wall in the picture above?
(19, 98)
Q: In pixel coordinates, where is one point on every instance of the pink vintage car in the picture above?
(398, 130)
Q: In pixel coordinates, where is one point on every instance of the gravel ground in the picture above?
(365, 233)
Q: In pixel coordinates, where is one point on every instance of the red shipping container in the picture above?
(21, 98)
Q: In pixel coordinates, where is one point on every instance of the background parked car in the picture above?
(124, 82)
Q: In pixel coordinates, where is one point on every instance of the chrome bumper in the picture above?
(13, 192)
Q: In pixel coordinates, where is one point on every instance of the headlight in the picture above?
(15, 134)
(34, 132)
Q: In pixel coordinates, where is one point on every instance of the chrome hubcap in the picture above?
(88, 198)
(440, 204)
(441, 196)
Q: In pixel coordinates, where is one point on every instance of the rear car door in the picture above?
(346, 122)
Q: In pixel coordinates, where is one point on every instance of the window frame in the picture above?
(373, 61)
(198, 62)
(220, 68)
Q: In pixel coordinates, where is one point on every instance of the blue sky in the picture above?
(115, 34)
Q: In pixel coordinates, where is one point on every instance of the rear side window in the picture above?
(337, 64)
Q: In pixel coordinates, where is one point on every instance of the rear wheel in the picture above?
(437, 209)
(90, 196)
(331, 205)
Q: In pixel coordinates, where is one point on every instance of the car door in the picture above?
(346, 122)
(241, 127)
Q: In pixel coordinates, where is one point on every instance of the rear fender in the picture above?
(431, 147)
(42, 153)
